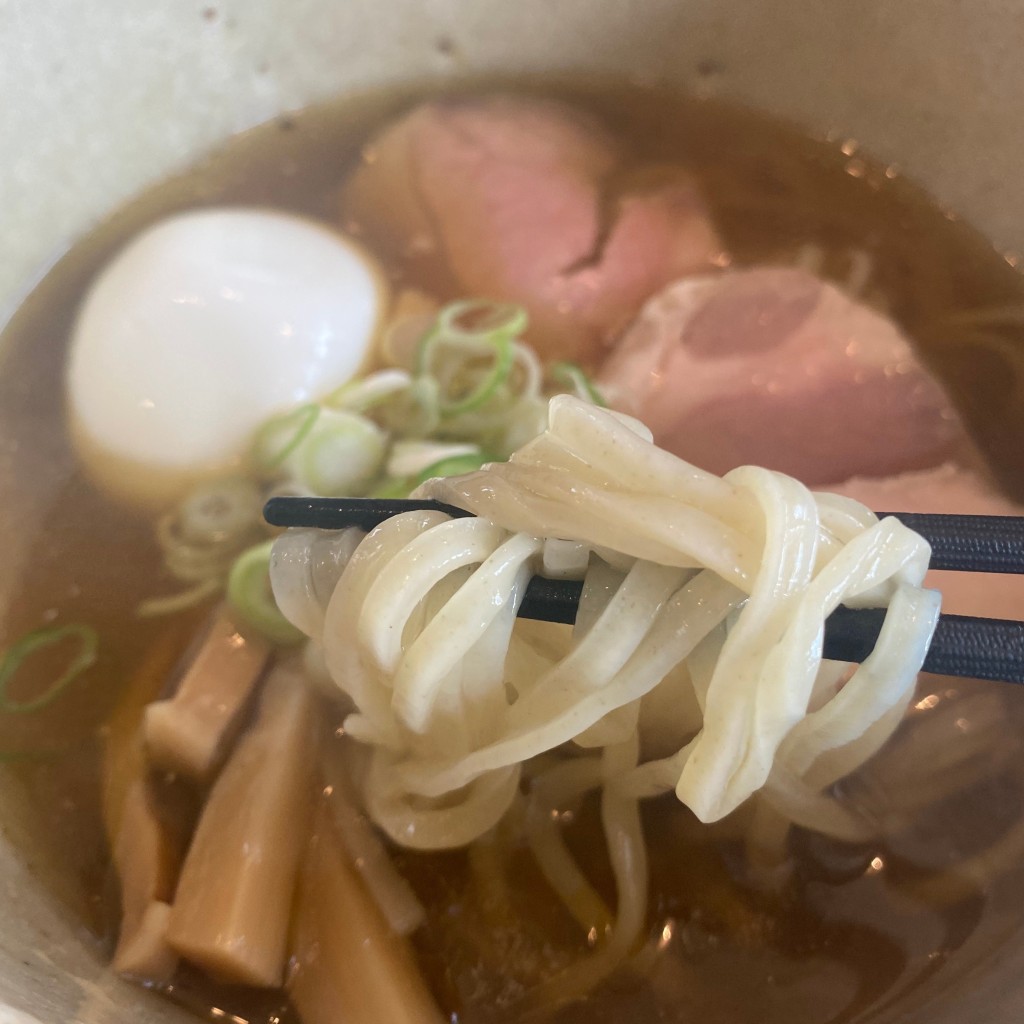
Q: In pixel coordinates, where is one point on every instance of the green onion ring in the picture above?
(496, 318)
(268, 456)
(249, 594)
(40, 639)
(496, 328)
(504, 356)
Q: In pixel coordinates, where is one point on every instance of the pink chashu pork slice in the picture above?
(953, 490)
(531, 201)
(773, 366)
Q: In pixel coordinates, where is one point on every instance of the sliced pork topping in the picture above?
(952, 490)
(530, 201)
(775, 367)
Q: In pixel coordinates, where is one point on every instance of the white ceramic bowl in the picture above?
(102, 98)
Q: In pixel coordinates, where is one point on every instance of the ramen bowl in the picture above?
(106, 99)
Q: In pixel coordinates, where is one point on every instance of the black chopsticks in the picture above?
(337, 513)
(970, 543)
(962, 646)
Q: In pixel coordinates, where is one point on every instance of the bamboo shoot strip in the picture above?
(231, 912)
(188, 733)
(347, 964)
(147, 858)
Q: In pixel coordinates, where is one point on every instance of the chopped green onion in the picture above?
(365, 393)
(249, 594)
(39, 640)
(476, 393)
(341, 455)
(408, 458)
(417, 413)
(570, 376)
(281, 435)
(503, 355)
(218, 511)
(482, 318)
(474, 327)
(454, 466)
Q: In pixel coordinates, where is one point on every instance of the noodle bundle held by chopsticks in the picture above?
(718, 587)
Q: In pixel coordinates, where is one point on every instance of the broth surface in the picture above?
(855, 932)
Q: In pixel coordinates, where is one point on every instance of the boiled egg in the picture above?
(203, 327)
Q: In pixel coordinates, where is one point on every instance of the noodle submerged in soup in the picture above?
(444, 786)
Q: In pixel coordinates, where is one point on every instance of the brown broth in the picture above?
(844, 936)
